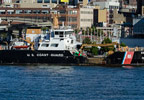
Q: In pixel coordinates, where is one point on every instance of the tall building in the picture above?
(140, 4)
(86, 17)
(110, 5)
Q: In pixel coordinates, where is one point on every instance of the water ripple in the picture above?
(71, 83)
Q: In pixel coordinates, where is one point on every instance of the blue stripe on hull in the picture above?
(124, 57)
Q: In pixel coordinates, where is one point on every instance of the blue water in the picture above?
(71, 83)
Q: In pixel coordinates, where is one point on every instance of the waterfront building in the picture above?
(86, 17)
(38, 3)
(138, 24)
(100, 17)
(69, 15)
(140, 7)
(107, 4)
(110, 5)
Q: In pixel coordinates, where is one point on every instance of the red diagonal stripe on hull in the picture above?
(129, 57)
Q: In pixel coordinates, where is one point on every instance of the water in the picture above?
(71, 83)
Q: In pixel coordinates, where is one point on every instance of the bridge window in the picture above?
(54, 45)
(56, 33)
(61, 34)
(72, 41)
(45, 45)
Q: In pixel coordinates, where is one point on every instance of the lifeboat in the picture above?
(19, 47)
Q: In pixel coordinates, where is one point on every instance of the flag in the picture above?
(80, 33)
(64, 0)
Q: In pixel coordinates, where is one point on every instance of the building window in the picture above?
(72, 19)
(62, 19)
(18, 12)
(10, 11)
(62, 11)
(54, 1)
(46, 1)
(27, 11)
(74, 25)
(72, 12)
(2, 11)
(45, 11)
(39, 1)
(86, 12)
(86, 20)
(36, 11)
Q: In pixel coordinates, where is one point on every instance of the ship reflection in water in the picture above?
(71, 83)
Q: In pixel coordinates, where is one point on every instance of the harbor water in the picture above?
(43, 82)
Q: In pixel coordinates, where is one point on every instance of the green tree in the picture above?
(123, 45)
(106, 40)
(44, 29)
(86, 41)
(107, 48)
(3, 35)
(94, 50)
(76, 31)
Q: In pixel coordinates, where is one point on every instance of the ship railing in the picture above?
(130, 49)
